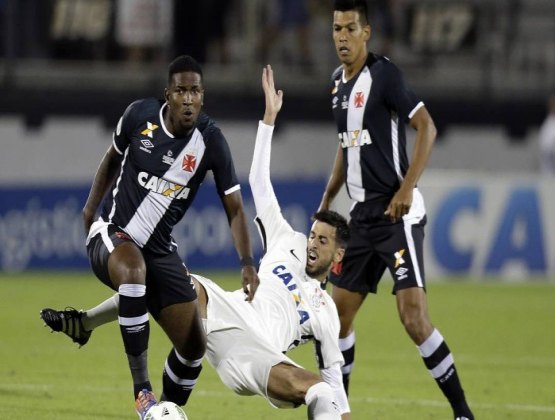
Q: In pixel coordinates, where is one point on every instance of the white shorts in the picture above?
(236, 344)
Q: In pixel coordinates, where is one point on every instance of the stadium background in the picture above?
(483, 68)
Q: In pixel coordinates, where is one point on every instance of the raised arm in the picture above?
(104, 178)
(259, 176)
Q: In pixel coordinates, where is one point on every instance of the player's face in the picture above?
(350, 36)
(321, 250)
(185, 96)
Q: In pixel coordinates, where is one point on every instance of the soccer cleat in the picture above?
(67, 321)
(144, 402)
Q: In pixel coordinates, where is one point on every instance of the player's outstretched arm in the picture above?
(274, 99)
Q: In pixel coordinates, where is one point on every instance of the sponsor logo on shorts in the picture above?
(401, 273)
(399, 258)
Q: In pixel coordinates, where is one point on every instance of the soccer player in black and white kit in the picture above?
(247, 340)
(371, 103)
(147, 180)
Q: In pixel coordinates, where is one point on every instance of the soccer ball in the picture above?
(166, 410)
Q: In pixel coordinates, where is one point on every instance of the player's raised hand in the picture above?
(274, 99)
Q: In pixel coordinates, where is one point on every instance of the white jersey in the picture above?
(289, 308)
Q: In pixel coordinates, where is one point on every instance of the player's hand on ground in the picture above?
(400, 204)
(274, 99)
(250, 281)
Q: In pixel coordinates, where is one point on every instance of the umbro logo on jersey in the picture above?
(146, 145)
(149, 129)
(399, 258)
(334, 102)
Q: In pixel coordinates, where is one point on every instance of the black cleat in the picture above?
(67, 321)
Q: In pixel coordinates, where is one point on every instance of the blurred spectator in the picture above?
(79, 29)
(288, 16)
(547, 140)
(144, 28)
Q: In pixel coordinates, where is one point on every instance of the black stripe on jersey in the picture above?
(262, 233)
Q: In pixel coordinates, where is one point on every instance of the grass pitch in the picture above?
(501, 334)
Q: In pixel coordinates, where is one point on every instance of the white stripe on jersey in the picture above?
(155, 205)
(355, 119)
(416, 108)
(116, 188)
(395, 145)
(232, 189)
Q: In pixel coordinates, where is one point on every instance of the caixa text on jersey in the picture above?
(163, 187)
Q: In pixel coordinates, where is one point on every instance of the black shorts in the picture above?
(167, 279)
(377, 244)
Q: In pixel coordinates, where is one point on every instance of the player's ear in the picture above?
(167, 95)
(339, 254)
(367, 30)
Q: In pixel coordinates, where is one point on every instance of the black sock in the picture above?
(439, 361)
(179, 377)
(135, 331)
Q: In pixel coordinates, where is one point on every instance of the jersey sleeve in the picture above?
(121, 136)
(222, 162)
(334, 378)
(325, 328)
(270, 221)
(397, 95)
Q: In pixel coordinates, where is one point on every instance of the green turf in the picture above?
(501, 334)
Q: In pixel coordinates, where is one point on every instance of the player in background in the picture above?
(371, 104)
(247, 341)
(146, 181)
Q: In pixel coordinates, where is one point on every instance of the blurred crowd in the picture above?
(151, 30)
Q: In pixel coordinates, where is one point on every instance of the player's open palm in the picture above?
(274, 99)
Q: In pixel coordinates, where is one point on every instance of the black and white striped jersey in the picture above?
(161, 174)
(370, 111)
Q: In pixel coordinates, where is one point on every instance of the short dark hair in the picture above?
(359, 6)
(334, 219)
(183, 63)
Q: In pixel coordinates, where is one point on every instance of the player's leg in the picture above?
(406, 265)
(348, 303)
(127, 272)
(183, 326)
(78, 325)
(299, 386)
(173, 302)
(118, 262)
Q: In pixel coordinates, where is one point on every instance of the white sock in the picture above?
(320, 403)
(101, 314)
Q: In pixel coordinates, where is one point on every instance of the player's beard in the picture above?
(318, 270)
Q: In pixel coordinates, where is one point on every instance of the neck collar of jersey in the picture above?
(162, 123)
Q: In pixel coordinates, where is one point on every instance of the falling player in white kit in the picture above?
(246, 341)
